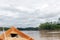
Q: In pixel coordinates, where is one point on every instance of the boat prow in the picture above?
(14, 34)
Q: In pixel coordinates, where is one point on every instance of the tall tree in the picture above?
(58, 21)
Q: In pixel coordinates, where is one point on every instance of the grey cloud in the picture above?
(14, 10)
(26, 20)
(32, 18)
(25, 14)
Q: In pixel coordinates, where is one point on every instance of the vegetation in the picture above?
(5, 28)
(28, 28)
(50, 26)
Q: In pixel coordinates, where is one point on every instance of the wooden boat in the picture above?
(14, 34)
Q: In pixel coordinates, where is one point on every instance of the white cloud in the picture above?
(26, 13)
(7, 13)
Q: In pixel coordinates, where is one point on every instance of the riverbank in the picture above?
(23, 29)
(49, 26)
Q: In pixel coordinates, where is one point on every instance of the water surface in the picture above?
(43, 35)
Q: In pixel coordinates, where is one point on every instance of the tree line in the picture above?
(27, 28)
(50, 25)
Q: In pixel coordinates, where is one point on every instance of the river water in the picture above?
(42, 35)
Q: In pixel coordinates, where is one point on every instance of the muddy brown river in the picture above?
(43, 35)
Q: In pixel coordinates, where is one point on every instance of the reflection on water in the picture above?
(44, 35)
(50, 35)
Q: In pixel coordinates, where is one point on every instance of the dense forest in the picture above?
(50, 25)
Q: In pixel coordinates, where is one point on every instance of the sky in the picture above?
(28, 13)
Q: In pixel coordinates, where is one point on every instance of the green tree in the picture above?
(49, 26)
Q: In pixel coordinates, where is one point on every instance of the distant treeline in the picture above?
(29, 28)
(3, 28)
(49, 26)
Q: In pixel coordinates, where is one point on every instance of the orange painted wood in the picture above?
(13, 29)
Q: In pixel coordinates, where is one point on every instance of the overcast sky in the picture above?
(28, 13)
